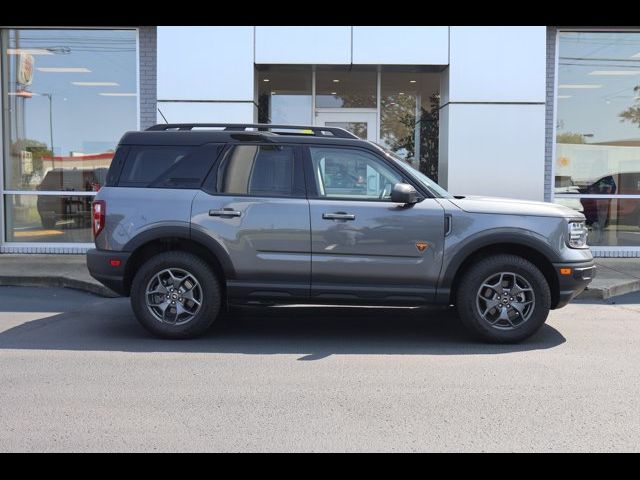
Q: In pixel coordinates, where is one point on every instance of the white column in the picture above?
(206, 74)
(493, 116)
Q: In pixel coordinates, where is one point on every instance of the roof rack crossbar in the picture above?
(317, 131)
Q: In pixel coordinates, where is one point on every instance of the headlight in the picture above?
(577, 236)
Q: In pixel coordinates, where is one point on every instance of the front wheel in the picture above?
(176, 295)
(503, 299)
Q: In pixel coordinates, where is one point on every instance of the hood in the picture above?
(512, 206)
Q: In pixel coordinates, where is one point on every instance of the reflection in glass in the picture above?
(357, 128)
(611, 221)
(341, 88)
(48, 218)
(284, 96)
(69, 96)
(405, 97)
(598, 134)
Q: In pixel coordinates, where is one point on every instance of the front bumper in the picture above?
(572, 284)
(101, 265)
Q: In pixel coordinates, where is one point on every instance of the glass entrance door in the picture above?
(363, 124)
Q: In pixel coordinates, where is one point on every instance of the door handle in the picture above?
(224, 212)
(338, 216)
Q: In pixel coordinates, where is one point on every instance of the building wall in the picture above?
(214, 82)
(493, 104)
(494, 87)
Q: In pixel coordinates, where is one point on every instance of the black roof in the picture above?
(187, 134)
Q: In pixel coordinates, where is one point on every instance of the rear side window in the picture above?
(259, 170)
(168, 166)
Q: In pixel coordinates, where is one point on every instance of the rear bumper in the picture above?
(573, 284)
(99, 263)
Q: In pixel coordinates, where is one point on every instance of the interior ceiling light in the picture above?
(614, 73)
(30, 51)
(335, 80)
(579, 85)
(64, 69)
(96, 84)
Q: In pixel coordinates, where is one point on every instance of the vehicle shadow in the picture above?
(312, 332)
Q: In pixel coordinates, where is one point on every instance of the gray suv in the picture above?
(194, 218)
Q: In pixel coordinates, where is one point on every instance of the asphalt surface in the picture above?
(77, 373)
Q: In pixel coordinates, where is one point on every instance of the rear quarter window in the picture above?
(168, 166)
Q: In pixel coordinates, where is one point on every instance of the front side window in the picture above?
(351, 173)
(260, 170)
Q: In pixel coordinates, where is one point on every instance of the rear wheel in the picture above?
(176, 295)
(503, 299)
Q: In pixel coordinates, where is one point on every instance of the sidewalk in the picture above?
(615, 276)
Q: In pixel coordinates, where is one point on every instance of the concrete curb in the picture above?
(60, 282)
(604, 293)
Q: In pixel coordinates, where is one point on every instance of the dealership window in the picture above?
(68, 95)
(284, 95)
(397, 106)
(597, 164)
(339, 87)
(409, 107)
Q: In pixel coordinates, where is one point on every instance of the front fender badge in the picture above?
(421, 246)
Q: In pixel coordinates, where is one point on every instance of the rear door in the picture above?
(254, 205)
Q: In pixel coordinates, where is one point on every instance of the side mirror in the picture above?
(404, 193)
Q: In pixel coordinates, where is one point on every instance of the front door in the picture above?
(363, 124)
(364, 247)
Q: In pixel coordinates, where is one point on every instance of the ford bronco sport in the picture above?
(196, 217)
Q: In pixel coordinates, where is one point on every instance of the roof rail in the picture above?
(317, 131)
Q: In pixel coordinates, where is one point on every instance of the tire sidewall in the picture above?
(211, 298)
(467, 293)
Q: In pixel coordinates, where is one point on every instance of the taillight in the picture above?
(99, 209)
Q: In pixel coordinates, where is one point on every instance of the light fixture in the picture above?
(24, 93)
(96, 84)
(615, 73)
(64, 69)
(265, 80)
(104, 94)
(29, 51)
(565, 96)
(335, 80)
(334, 93)
(400, 93)
(579, 85)
(412, 81)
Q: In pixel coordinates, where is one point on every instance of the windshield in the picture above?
(435, 189)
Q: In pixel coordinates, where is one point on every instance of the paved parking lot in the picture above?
(78, 373)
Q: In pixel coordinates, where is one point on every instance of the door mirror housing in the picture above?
(404, 193)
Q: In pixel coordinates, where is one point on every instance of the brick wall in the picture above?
(549, 107)
(148, 76)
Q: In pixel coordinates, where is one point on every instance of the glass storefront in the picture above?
(395, 107)
(68, 95)
(597, 164)
(284, 96)
(409, 121)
